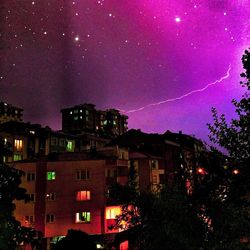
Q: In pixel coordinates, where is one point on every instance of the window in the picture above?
(87, 112)
(75, 118)
(51, 175)
(82, 217)
(111, 173)
(70, 146)
(50, 196)
(83, 195)
(29, 219)
(31, 197)
(17, 157)
(82, 174)
(76, 111)
(112, 212)
(18, 145)
(53, 141)
(30, 176)
(62, 142)
(154, 164)
(50, 218)
(154, 179)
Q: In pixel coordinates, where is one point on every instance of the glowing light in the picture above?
(201, 171)
(177, 19)
(77, 38)
(182, 96)
(236, 171)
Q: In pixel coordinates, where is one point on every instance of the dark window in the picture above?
(82, 174)
(30, 176)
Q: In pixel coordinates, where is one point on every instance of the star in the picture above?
(178, 19)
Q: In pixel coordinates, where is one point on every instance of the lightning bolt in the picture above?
(182, 96)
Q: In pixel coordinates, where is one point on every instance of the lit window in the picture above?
(51, 175)
(154, 179)
(71, 112)
(82, 217)
(30, 176)
(29, 219)
(18, 144)
(82, 174)
(83, 195)
(5, 141)
(80, 110)
(112, 212)
(32, 132)
(70, 146)
(50, 196)
(50, 218)
(75, 118)
(87, 112)
(17, 157)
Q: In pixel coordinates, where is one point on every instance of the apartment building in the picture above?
(9, 112)
(70, 193)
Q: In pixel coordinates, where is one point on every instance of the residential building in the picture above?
(30, 141)
(9, 112)
(70, 192)
(85, 118)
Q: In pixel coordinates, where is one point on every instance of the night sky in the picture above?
(164, 62)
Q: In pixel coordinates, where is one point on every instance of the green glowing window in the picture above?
(51, 175)
(82, 217)
(105, 122)
(75, 118)
(17, 157)
(70, 146)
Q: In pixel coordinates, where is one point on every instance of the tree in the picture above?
(235, 136)
(230, 215)
(11, 231)
(76, 239)
(163, 220)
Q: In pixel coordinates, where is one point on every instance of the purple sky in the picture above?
(125, 55)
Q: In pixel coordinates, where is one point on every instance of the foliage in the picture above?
(235, 136)
(76, 239)
(11, 231)
(163, 220)
(230, 214)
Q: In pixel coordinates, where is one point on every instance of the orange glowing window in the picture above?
(112, 212)
(83, 195)
(18, 144)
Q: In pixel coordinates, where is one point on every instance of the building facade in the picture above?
(70, 193)
(9, 112)
(86, 119)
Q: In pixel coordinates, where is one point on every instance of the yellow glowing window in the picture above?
(112, 212)
(83, 217)
(83, 195)
(18, 144)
